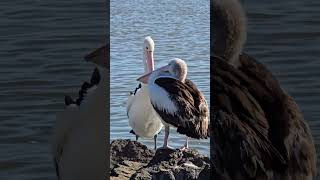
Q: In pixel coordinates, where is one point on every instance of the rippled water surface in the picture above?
(179, 30)
(42, 44)
(285, 36)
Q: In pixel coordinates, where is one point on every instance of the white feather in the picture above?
(79, 137)
(160, 98)
(142, 117)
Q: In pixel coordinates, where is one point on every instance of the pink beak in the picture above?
(150, 62)
(145, 78)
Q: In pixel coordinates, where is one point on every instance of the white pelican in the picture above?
(257, 129)
(78, 144)
(142, 117)
(177, 101)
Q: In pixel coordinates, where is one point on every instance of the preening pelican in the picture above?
(257, 129)
(177, 101)
(142, 117)
(78, 144)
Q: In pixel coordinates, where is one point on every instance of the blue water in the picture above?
(42, 48)
(43, 44)
(179, 30)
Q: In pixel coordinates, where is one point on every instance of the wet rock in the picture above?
(133, 160)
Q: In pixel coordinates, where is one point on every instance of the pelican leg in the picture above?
(166, 137)
(155, 141)
(186, 145)
(137, 137)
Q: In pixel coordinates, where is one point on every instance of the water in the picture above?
(179, 30)
(43, 42)
(285, 36)
(42, 48)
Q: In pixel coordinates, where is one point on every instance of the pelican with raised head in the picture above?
(177, 101)
(142, 117)
(257, 129)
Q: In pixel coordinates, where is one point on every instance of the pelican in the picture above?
(78, 144)
(177, 101)
(142, 117)
(257, 130)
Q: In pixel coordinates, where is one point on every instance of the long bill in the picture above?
(149, 61)
(145, 78)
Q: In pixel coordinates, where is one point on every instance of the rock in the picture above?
(130, 150)
(125, 169)
(133, 160)
(127, 157)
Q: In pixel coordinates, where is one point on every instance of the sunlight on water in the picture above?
(179, 30)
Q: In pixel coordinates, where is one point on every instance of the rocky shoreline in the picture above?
(133, 160)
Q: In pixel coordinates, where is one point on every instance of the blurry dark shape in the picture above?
(95, 78)
(68, 100)
(257, 129)
(79, 143)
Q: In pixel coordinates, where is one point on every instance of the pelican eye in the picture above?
(147, 48)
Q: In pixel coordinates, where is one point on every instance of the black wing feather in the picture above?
(192, 116)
